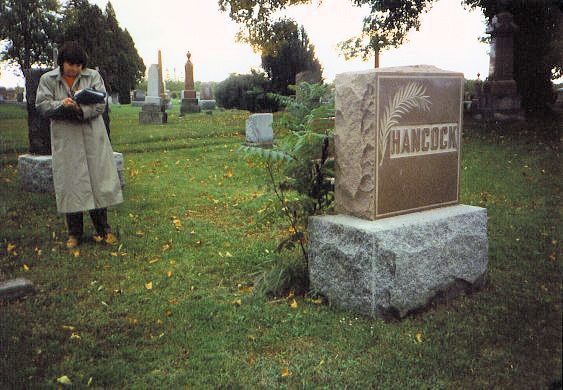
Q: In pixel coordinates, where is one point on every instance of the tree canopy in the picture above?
(108, 46)
(537, 54)
(28, 30)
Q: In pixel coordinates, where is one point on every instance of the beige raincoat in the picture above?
(84, 171)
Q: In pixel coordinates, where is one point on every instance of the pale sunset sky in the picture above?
(448, 38)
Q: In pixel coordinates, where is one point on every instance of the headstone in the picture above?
(501, 100)
(308, 76)
(400, 239)
(189, 103)
(259, 130)
(36, 172)
(39, 127)
(137, 98)
(153, 111)
(115, 98)
(161, 87)
(207, 104)
(163, 92)
(206, 92)
(404, 132)
(153, 86)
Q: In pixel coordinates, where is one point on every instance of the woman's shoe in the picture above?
(110, 238)
(72, 242)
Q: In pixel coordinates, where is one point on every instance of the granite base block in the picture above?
(207, 104)
(394, 266)
(189, 106)
(36, 172)
(153, 118)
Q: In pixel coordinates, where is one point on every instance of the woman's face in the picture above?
(71, 70)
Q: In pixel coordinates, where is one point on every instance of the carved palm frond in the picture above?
(409, 97)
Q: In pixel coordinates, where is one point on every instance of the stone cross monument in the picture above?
(401, 238)
(189, 100)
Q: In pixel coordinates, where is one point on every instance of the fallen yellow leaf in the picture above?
(237, 302)
(293, 304)
(139, 233)
(65, 380)
(75, 252)
(154, 260)
(75, 336)
(245, 289)
(285, 372)
(98, 238)
(148, 286)
(25, 267)
(169, 274)
(418, 337)
(114, 254)
(10, 247)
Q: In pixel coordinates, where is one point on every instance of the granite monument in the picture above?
(401, 238)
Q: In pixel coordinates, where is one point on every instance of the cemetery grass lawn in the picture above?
(168, 308)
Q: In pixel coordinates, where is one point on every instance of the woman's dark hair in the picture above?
(72, 53)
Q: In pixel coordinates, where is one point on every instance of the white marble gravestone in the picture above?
(153, 86)
(259, 129)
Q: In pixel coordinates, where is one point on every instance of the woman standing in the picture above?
(84, 170)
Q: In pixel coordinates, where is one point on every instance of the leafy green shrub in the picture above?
(300, 172)
(246, 92)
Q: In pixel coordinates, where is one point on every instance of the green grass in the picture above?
(190, 330)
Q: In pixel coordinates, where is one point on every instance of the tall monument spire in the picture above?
(160, 78)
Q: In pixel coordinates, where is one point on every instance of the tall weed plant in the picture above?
(300, 167)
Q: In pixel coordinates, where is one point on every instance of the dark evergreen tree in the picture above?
(286, 52)
(109, 47)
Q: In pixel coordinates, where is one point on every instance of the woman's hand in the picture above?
(68, 102)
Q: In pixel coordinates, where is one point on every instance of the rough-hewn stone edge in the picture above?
(42, 182)
(15, 288)
(441, 297)
(443, 293)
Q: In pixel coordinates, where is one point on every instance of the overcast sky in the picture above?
(448, 38)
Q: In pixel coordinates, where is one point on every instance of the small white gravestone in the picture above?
(259, 129)
(153, 86)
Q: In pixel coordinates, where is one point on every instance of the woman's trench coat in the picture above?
(84, 170)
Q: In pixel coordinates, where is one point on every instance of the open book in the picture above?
(89, 96)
